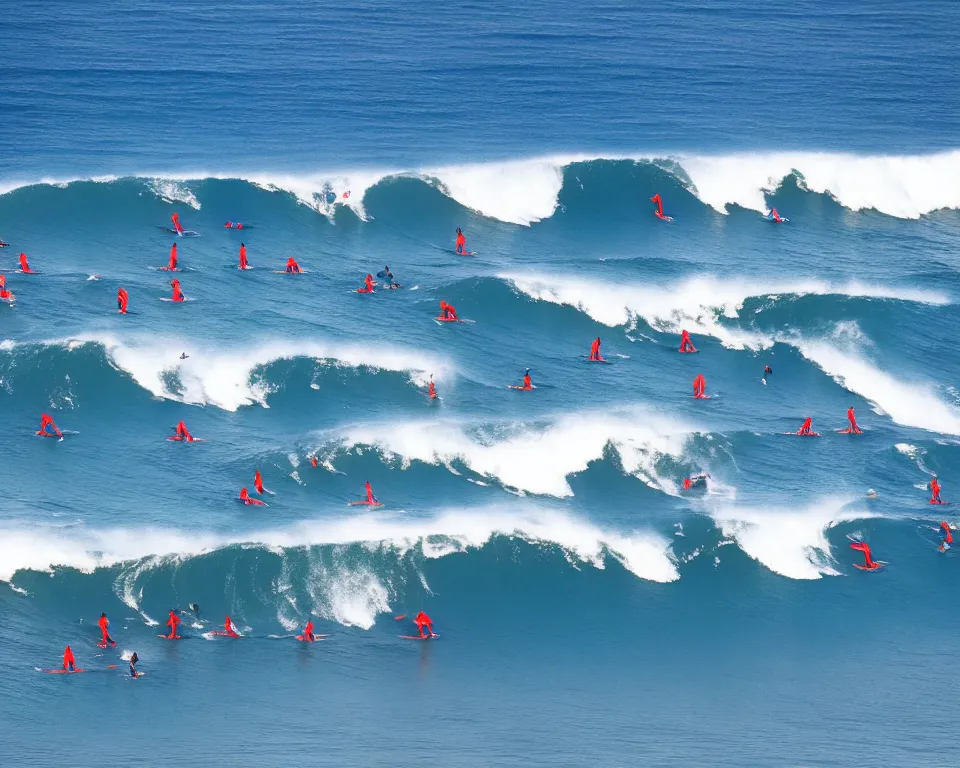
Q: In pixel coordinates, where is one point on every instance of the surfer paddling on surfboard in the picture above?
(47, 422)
(233, 225)
(424, 622)
(4, 293)
(685, 344)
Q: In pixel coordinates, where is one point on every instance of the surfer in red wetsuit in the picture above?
(775, 216)
(368, 285)
(183, 433)
(176, 223)
(854, 428)
(371, 499)
(293, 267)
(69, 663)
(4, 293)
(461, 242)
(174, 623)
(868, 561)
(308, 636)
(422, 620)
(258, 482)
(177, 293)
(103, 623)
(447, 312)
(935, 492)
(172, 266)
(947, 536)
(228, 629)
(685, 344)
(700, 387)
(595, 351)
(24, 266)
(248, 500)
(243, 257)
(45, 422)
(122, 300)
(807, 428)
(432, 390)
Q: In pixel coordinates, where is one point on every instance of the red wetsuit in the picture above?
(68, 661)
(245, 498)
(122, 299)
(47, 421)
(685, 344)
(177, 293)
(174, 623)
(308, 633)
(243, 257)
(807, 427)
(423, 621)
(595, 349)
(258, 482)
(292, 266)
(24, 266)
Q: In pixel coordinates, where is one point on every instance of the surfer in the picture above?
(947, 541)
(385, 274)
(69, 663)
(233, 225)
(228, 630)
(45, 422)
(700, 387)
(245, 498)
(807, 428)
(182, 432)
(527, 382)
(659, 212)
(293, 267)
(308, 636)
(133, 664)
(106, 640)
(854, 428)
(123, 299)
(184, 355)
(243, 257)
(371, 499)
(313, 462)
(174, 623)
(868, 562)
(422, 620)
(935, 492)
(177, 293)
(447, 311)
(595, 351)
(685, 344)
(176, 223)
(368, 284)
(767, 371)
(172, 266)
(695, 481)
(461, 242)
(258, 482)
(4, 293)
(774, 216)
(24, 266)
(431, 390)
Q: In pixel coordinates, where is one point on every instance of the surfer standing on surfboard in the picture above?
(172, 266)
(176, 223)
(868, 562)
(595, 351)
(422, 620)
(123, 298)
(807, 428)
(854, 428)
(685, 344)
(69, 663)
(461, 242)
(24, 265)
(700, 387)
(183, 433)
(47, 421)
(935, 492)
(447, 312)
(293, 267)
(243, 257)
(173, 622)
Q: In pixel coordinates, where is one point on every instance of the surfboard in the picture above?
(184, 233)
(284, 272)
(847, 431)
(60, 671)
(365, 504)
(175, 637)
(417, 637)
(466, 253)
(878, 565)
(809, 434)
(27, 272)
(102, 644)
(663, 216)
(316, 638)
(521, 389)
(586, 359)
(783, 220)
(181, 440)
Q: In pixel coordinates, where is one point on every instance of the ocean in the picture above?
(590, 610)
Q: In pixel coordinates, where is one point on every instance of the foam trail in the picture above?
(213, 376)
(910, 404)
(39, 548)
(790, 542)
(695, 304)
(533, 458)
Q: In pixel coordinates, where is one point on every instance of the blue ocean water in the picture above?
(589, 609)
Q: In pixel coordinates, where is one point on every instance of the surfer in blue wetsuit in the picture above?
(385, 274)
(133, 664)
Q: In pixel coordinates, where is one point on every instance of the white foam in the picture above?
(212, 375)
(173, 192)
(791, 542)
(905, 186)
(696, 304)
(914, 404)
(533, 458)
(29, 546)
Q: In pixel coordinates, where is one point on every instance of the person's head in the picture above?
(369, 276)
(103, 615)
(243, 245)
(459, 231)
(386, 268)
(443, 304)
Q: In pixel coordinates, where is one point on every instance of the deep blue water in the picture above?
(589, 610)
